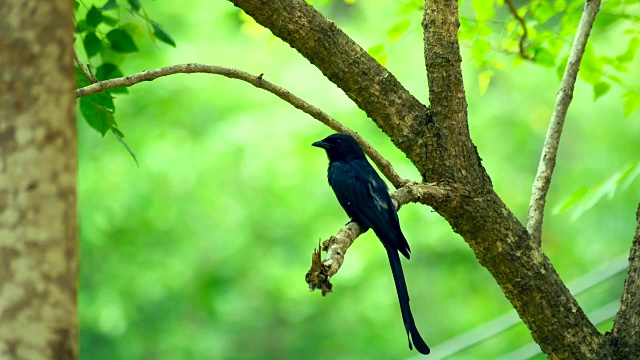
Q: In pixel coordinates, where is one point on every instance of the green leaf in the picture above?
(81, 80)
(109, 20)
(121, 41)
(397, 30)
(377, 52)
(108, 71)
(91, 44)
(162, 35)
(631, 102)
(135, 5)
(631, 51)
(591, 68)
(119, 135)
(561, 67)
(484, 9)
(545, 58)
(82, 26)
(110, 5)
(94, 17)
(107, 55)
(97, 109)
(600, 89)
(479, 49)
(484, 79)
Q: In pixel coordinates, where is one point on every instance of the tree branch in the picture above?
(321, 271)
(382, 164)
(452, 156)
(565, 95)
(626, 326)
(500, 242)
(525, 32)
(374, 89)
(86, 74)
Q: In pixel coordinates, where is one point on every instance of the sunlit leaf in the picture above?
(121, 41)
(484, 79)
(631, 102)
(377, 52)
(600, 89)
(484, 9)
(397, 30)
(631, 51)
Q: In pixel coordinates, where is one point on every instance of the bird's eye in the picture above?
(338, 141)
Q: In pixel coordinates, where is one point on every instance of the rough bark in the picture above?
(501, 243)
(625, 336)
(38, 234)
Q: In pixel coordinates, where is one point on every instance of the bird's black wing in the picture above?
(365, 198)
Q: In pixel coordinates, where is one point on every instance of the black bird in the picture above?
(365, 197)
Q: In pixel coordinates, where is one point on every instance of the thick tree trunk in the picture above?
(38, 233)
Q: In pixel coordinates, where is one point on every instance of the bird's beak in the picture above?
(321, 144)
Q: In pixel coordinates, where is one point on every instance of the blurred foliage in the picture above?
(201, 251)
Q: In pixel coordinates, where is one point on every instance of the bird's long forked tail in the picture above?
(403, 296)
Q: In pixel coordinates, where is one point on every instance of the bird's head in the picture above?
(340, 147)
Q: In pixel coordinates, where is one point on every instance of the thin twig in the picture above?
(382, 164)
(552, 140)
(318, 277)
(89, 76)
(525, 33)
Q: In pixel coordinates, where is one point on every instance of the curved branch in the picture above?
(321, 271)
(525, 32)
(563, 100)
(382, 164)
(86, 74)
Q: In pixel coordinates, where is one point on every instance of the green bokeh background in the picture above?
(201, 251)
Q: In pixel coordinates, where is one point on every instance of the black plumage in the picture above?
(365, 197)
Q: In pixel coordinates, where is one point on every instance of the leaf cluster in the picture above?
(108, 34)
